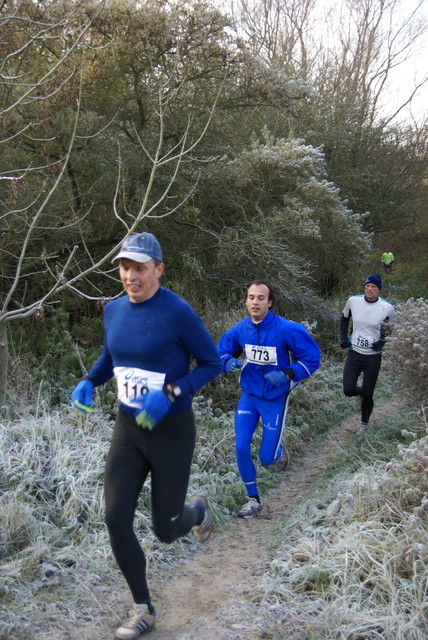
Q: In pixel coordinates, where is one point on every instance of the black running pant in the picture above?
(166, 453)
(369, 366)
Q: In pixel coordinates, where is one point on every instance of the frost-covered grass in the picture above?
(56, 566)
(57, 570)
(52, 540)
(352, 562)
(54, 549)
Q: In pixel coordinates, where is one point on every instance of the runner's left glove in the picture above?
(153, 408)
(81, 398)
(278, 378)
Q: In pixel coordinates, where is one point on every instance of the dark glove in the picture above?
(154, 406)
(290, 373)
(345, 344)
(377, 346)
(233, 364)
(81, 398)
(279, 378)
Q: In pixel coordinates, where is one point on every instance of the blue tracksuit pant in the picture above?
(273, 414)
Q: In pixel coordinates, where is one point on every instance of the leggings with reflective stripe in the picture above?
(273, 414)
(166, 453)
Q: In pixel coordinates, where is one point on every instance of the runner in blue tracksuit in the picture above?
(278, 354)
(150, 336)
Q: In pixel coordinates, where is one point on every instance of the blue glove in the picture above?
(233, 364)
(81, 398)
(279, 378)
(154, 406)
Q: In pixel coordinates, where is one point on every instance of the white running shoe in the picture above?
(140, 621)
(250, 508)
(202, 531)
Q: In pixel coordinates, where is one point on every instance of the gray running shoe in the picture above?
(250, 508)
(202, 531)
(140, 621)
(364, 427)
(283, 460)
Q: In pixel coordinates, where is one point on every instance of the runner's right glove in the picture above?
(233, 364)
(81, 398)
(345, 344)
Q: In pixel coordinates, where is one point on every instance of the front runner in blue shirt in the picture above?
(278, 354)
(150, 336)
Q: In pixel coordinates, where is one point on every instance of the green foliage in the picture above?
(50, 355)
(283, 186)
(270, 211)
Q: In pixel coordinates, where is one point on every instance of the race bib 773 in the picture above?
(260, 355)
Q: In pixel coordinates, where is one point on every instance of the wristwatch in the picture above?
(172, 391)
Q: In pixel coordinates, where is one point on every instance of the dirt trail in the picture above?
(194, 599)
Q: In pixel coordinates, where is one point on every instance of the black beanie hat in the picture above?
(374, 278)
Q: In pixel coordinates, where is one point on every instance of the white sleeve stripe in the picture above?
(304, 366)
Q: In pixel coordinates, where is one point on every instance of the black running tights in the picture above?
(369, 366)
(166, 453)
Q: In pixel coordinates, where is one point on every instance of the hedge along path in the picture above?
(195, 600)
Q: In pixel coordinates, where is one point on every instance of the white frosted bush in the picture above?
(356, 567)
(407, 355)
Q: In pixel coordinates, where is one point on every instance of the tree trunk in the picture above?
(4, 360)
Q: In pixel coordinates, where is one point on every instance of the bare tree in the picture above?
(279, 32)
(349, 50)
(29, 91)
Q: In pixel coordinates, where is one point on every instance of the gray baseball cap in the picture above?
(141, 247)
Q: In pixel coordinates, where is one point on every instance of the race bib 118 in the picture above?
(133, 382)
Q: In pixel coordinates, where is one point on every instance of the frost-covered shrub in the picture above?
(287, 221)
(407, 356)
(353, 562)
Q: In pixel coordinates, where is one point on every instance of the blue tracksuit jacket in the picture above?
(294, 348)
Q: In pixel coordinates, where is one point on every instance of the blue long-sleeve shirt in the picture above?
(270, 345)
(158, 335)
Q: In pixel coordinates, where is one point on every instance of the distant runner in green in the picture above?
(387, 260)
